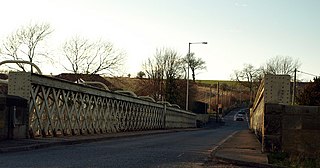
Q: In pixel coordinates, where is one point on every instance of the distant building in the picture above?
(200, 107)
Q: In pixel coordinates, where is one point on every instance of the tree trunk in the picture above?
(193, 75)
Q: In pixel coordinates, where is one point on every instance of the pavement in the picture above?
(241, 148)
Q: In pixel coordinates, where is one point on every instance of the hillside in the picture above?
(202, 91)
(212, 82)
(206, 90)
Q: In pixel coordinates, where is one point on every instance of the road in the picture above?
(179, 149)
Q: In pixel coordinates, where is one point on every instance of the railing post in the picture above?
(20, 84)
(164, 118)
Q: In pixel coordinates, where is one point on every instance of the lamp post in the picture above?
(188, 56)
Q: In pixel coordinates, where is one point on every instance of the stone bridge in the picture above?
(283, 127)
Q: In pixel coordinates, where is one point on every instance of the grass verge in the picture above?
(283, 159)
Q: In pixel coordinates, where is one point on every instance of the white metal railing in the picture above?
(22, 62)
(59, 107)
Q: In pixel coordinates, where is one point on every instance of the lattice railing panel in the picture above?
(58, 107)
(55, 111)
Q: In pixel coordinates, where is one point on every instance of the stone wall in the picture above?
(271, 139)
(293, 129)
(257, 119)
(273, 89)
(13, 116)
(4, 118)
(301, 129)
(281, 127)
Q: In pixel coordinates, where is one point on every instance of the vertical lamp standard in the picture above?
(188, 61)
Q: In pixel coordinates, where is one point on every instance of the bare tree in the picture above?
(163, 70)
(155, 70)
(89, 57)
(194, 64)
(173, 71)
(281, 65)
(25, 43)
(250, 76)
(173, 64)
(76, 50)
(247, 77)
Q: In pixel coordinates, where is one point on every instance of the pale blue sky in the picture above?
(237, 31)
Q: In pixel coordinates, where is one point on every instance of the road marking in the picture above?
(223, 141)
(180, 155)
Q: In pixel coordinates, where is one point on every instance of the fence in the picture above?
(59, 107)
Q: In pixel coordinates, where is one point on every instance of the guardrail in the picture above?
(58, 107)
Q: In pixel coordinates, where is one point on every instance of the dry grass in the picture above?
(203, 87)
(298, 160)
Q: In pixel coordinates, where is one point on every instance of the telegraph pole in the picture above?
(210, 99)
(294, 87)
(217, 110)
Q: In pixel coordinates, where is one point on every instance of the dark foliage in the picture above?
(311, 94)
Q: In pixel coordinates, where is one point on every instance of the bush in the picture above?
(310, 95)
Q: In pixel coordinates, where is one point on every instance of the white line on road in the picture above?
(223, 141)
(180, 155)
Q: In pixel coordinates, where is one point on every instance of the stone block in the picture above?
(301, 141)
(272, 143)
(310, 110)
(301, 117)
(272, 124)
(271, 108)
(310, 122)
(291, 122)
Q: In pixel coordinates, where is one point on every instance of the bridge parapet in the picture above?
(282, 127)
(60, 107)
(274, 89)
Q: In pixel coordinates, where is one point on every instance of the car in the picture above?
(242, 113)
(240, 116)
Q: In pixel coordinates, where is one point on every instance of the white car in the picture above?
(239, 117)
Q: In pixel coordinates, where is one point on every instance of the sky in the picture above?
(238, 32)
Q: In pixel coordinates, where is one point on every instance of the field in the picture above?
(212, 82)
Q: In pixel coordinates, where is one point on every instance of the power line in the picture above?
(307, 73)
(295, 85)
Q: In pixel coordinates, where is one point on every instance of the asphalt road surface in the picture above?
(179, 149)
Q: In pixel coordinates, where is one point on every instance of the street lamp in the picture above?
(188, 56)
